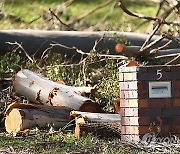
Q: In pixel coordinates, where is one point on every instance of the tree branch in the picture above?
(66, 25)
(141, 16)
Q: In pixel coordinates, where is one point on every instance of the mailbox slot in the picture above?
(160, 89)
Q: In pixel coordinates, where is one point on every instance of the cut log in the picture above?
(101, 124)
(43, 91)
(41, 40)
(20, 116)
(134, 50)
(129, 51)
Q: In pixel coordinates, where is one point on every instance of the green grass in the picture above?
(23, 12)
(43, 142)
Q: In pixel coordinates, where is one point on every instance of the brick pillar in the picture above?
(142, 114)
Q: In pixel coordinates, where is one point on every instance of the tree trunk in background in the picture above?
(38, 41)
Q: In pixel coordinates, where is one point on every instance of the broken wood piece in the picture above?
(98, 129)
(97, 117)
(20, 116)
(101, 124)
(43, 91)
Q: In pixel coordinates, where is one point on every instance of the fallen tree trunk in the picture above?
(20, 116)
(43, 91)
(41, 40)
(101, 124)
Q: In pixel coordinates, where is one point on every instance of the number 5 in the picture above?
(159, 74)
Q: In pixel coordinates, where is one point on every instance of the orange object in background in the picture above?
(133, 63)
(119, 47)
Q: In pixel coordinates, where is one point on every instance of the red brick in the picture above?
(129, 85)
(167, 120)
(122, 94)
(124, 86)
(170, 112)
(142, 95)
(124, 103)
(129, 112)
(121, 76)
(133, 85)
(175, 68)
(123, 129)
(166, 129)
(143, 69)
(142, 86)
(133, 102)
(125, 121)
(132, 130)
(142, 103)
(128, 94)
(162, 68)
(128, 77)
(176, 120)
(132, 94)
(159, 103)
(151, 112)
(134, 76)
(144, 121)
(122, 111)
(176, 102)
(146, 129)
(176, 84)
(175, 129)
(175, 93)
(130, 121)
(134, 121)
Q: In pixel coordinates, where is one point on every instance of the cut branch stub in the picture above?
(43, 91)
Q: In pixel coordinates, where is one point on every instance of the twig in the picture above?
(171, 37)
(35, 19)
(141, 16)
(173, 60)
(97, 42)
(168, 55)
(149, 38)
(153, 43)
(89, 13)
(39, 48)
(66, 25)
(84, 53)
(45, 52)
(159, 48)
(20, 46)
